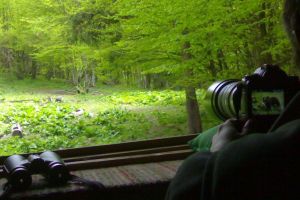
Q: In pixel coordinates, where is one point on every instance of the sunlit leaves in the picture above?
(145, 36)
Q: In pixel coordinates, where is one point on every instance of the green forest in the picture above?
(136, 69)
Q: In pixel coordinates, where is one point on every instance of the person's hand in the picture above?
(231, 130)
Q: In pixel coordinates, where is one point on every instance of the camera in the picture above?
(262, 95)
(19, 169)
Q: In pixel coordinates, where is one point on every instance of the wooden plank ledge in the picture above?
(129, 160)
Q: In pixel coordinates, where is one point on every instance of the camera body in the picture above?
(19, 169)
(261, 96)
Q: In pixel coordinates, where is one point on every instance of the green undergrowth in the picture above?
(52, 126)
(110, 115)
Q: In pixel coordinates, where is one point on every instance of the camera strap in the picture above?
(8, 189)
(95, 185)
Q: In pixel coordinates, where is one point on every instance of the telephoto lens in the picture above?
(225, 97)
(16, 167)
(56, 171)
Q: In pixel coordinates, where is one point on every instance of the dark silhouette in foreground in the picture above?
(254, 166)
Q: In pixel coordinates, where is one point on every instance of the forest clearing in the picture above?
(89, 72)
(53, 116)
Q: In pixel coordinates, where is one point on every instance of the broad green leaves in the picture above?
(121, 116)
(143, 38)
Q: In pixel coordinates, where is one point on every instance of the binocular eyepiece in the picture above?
(19, 169)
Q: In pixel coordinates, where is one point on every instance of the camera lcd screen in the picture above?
(267, 102)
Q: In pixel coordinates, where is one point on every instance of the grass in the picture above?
(111, 115)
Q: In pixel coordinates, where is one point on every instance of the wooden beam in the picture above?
(155, 150)
(126, 153)
(127, 146)
(74, 165)
(128, 160)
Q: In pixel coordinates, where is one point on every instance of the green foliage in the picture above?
(141, 43)
(153, 98)
(226, 39)
(147, 44)
(112, 115)
(54, 126)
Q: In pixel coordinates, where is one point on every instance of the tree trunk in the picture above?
(221, 60)
(93, 78)
(292, 19)
(250, 63)
(147, 81)
(49, 74)
(33, 70)
(212, 66)
(267, 58)
(194, 119)
(74, 77)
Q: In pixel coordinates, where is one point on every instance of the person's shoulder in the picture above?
(285, 137)
(260, 159)
(291, 127)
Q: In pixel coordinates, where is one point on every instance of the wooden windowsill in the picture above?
(107, 159)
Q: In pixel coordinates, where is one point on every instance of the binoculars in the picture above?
(19, 169)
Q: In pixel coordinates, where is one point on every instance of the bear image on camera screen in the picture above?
(267, 103)
(270, 104)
